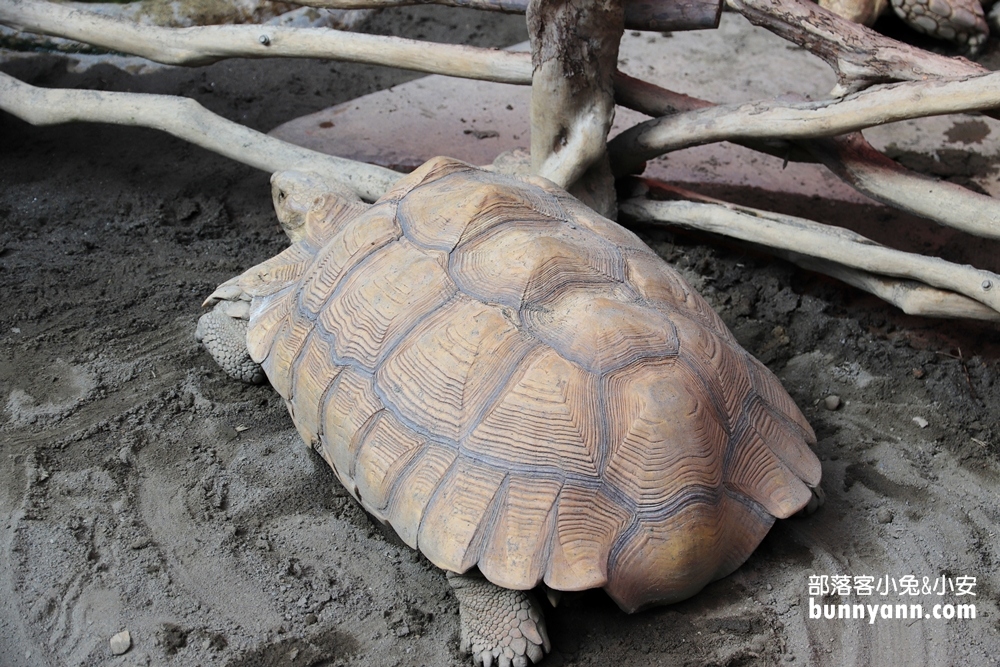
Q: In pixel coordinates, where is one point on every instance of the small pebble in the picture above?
(402, 631)
(121, 642)
(920, 421)
(919, 373)
(311, 619)
(831, 402)
(884, 515)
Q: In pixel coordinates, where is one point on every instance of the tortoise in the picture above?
(520, 388)
(960, 21)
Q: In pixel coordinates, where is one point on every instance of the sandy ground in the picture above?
(141, 489)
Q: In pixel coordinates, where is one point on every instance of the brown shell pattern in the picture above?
(516, 383)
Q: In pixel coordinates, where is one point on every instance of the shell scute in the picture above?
(785, 440)
(382, 299)
(350, 405)
(276, 273)
(753, 469)
(456, 208)
(714, 362)
(289, 341)
(445, 372)
(769, 388)
(587, 218)
(601, 330)
(430, 171)
(415, 488)
(662, 285)
(266, 318)
(387, 448)
(588, 522)
(459, 514)
(671, 557)
(312, 375)
(539, 261)
(348, 246)
(664, 436)
(516, 549)
(546, 418)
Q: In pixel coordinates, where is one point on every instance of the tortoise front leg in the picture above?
(223, 332)
(500, 626)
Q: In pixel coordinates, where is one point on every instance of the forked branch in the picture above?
(860, 56)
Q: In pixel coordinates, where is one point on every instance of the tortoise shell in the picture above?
(513, 382)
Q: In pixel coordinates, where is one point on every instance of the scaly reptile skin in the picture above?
(959, 21)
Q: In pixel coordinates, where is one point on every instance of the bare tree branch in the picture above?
(852, 159)
(804, 120)
(910, 296)
(188, 120)
(206, 44)
(858, 163)
(813, 239)
(652, 100)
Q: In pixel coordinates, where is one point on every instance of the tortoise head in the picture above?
(297, 194)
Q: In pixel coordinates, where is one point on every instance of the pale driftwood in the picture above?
(574, 51)
(652, 100)
(659, 15)
(188, 120)
(860, 56)
(813, 239)
(804, 120)
(852, 159)
(207, 44)
(857, 162)
(912, 297)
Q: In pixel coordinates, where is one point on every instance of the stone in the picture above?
(121, 642)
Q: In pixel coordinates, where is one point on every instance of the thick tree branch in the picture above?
(188, 120)
(207, 44)
(574, 50)
(852, 159)
(805, 120)
(858, 163)
(860, 56)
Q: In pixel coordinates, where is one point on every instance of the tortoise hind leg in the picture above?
(223, 332)
(500, 626)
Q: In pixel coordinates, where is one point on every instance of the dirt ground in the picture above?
(141, 489)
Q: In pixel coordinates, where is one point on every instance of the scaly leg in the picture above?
(500, 626)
